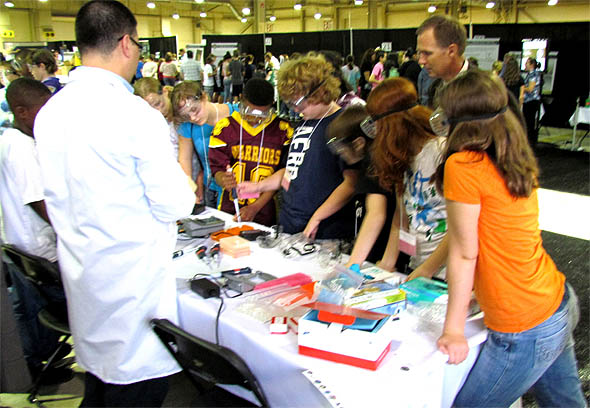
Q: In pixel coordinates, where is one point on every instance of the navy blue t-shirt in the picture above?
(313, 173)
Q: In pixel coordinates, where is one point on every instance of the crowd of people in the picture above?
(433, 150)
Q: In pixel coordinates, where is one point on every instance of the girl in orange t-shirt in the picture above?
(490, 185)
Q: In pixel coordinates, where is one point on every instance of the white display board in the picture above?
(220, 49)
(485, 50)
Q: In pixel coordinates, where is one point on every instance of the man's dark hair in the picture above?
(259, 92)
(26, 92)
(379, 54)
(45, 57)
(100, 25)
(189, 54)
(446, 31)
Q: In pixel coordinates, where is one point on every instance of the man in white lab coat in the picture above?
(113, 193)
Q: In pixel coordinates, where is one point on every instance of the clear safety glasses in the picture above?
(338, 144)
(255, 116)
(368, 125)
(441, 124)
(191, 107)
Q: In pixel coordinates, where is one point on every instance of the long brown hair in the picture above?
(502, 137)
(400, 136)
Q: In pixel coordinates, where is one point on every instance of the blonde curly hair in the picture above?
(299, 77)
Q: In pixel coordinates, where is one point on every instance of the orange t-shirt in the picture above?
(516, 282)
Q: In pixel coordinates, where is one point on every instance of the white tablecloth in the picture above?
(425, 380)
(581, 115)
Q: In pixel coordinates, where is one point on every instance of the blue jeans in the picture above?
(509, 364)
(226, 90)
(38, 341)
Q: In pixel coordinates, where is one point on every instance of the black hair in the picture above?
(259, 92)
(100, 25)
(410, 52)
(189, 54)
(26, 92)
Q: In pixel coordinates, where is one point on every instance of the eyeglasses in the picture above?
(192, 106)
(368, 124)
(133, 41)
(441, 124)
(338, 144)
(298, 103)
(256, 116)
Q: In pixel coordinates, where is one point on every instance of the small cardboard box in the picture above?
(346, 335)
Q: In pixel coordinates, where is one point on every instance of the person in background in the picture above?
(424, 84)
(182, 54)
(410, 68)
(26, 226)
(209, 77)
(113, 193)
(367, 63)
(345, 137)
(168, 70)
(253, 142)
(405, 155)
(512, 78)
(43, 68)
(138, 73)
(218, 90)
(236, 69)
(260, 71)
(190, 70)
(377, 74)
(391, 65)
(249, 68)
(530, 98)
(150, 68)
(320, 207)
(197, 116)
(347, 95)
(226, 75)
(7, 74)
(351, 74)
(441, 44)
(473, 63)
(489, 176)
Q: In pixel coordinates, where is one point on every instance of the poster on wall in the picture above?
(198, 52)
(485, 50)
(549, 75)
(220, 49)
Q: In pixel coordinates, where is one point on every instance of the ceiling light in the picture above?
(432, 8)
(317, 16)
(176, 16)
(552, 2)
(151, 5)
(490, 5)
(358, 2)
(297, 6)
(203, 14)
(199, 1)
(9, 4)
(246, 11)
(244, 20)
(43, 1)
(272, 18)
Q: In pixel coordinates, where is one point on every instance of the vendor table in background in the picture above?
(581, 115)
(413, 374)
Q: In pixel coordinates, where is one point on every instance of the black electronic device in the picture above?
(201, 227)
(198, 208)
(246, 282)
(251, 235)
(205, 288)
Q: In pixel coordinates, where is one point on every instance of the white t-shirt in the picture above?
(424, 206)
(21, 184)
(209, 80)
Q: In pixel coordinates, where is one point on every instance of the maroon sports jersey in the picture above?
(264, 150)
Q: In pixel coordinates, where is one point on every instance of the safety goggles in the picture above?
(192, 106)
(301, 102)
(338, 144)
(368, 125)
(254, 115)
(441, 124)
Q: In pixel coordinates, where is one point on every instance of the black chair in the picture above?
(43, 275)
(208, 365)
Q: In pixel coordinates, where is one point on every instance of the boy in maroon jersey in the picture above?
(253, 143)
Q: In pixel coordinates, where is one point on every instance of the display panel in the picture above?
(534, 48)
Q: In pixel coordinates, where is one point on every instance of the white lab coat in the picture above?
(113, 192)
